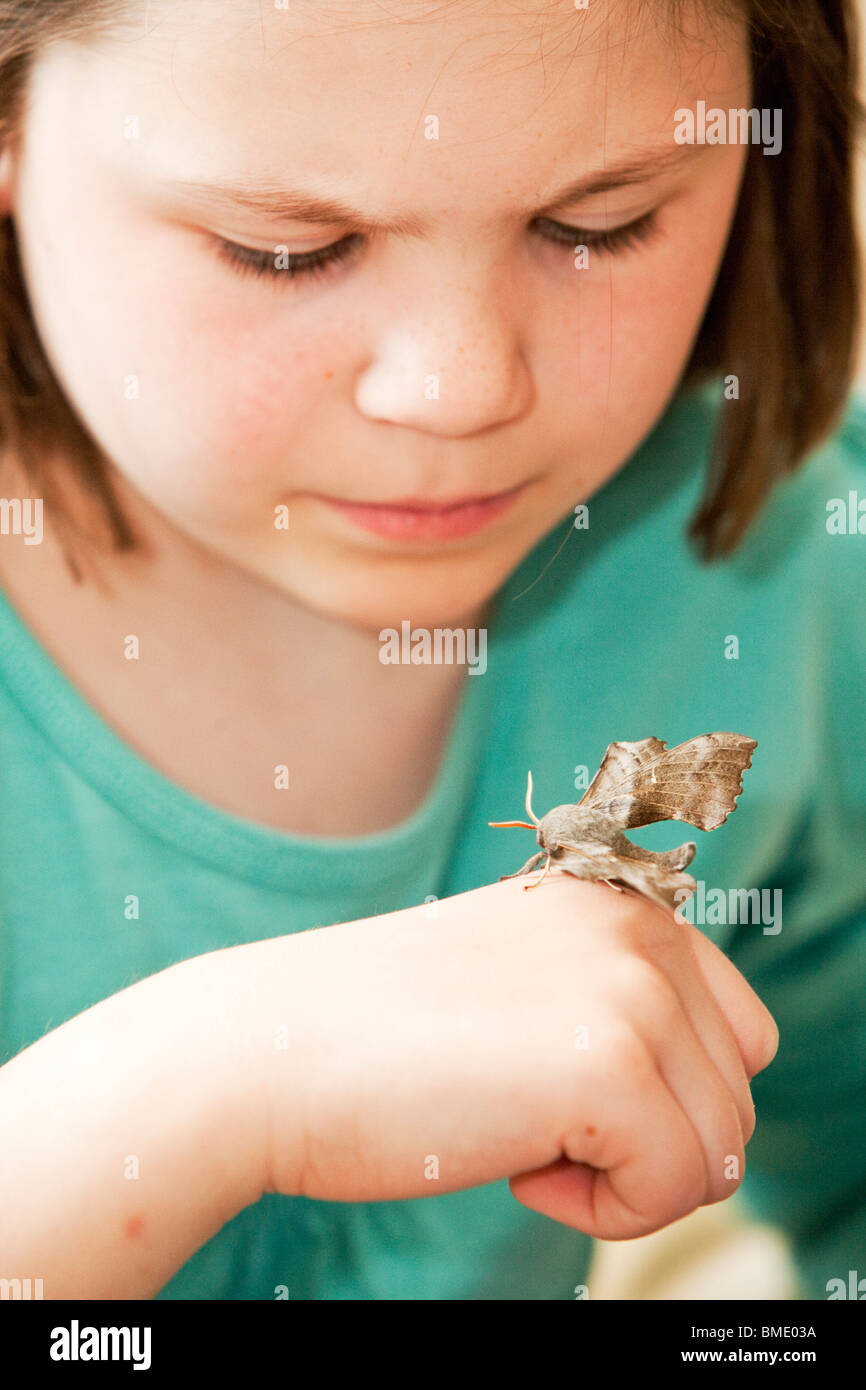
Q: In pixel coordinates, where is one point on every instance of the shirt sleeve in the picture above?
(806, 1163)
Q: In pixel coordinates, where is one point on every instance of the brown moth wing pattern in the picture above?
(590, 860)
(697, 781)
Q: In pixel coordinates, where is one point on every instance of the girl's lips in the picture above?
(425, 521)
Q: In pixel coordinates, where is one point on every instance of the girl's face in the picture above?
(459, 348)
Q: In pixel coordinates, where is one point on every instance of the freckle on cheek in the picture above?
(590, 1129)
(134, 1227)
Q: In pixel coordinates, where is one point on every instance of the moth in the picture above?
(638, 783)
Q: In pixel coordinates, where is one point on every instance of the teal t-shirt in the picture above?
(623, 635)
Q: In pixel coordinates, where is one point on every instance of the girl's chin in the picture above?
(390, 601)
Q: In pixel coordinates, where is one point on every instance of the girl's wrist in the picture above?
(218, 1009)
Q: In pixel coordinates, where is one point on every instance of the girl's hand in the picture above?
(576, 1040)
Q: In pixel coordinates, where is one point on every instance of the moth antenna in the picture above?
(529, 811)
(524, 825)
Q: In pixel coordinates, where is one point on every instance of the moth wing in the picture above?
(587, 853)
(621, 762)
(697, 781)
(667, 887)
(661, 885)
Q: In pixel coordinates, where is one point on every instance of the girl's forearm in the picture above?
(128, 1137)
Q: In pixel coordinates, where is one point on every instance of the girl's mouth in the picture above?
(414, 519)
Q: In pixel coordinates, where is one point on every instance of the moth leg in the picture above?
(527, 868)
(540, 877)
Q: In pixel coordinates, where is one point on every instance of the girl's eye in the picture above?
(292, 265)
(246, 260)
(608, 242)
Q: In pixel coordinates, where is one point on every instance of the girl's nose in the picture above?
(454, 368)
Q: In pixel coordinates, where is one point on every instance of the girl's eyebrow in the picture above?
(263, 198)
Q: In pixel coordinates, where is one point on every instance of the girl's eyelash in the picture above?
(246, 260)
(608, 242)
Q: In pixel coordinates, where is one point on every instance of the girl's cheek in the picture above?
(267, 387)
(208, 400)
(619, 334)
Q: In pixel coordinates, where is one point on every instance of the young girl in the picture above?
(327, 331)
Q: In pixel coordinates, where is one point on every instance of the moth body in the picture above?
(571, 823)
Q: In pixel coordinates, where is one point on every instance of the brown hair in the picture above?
(784, 315)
